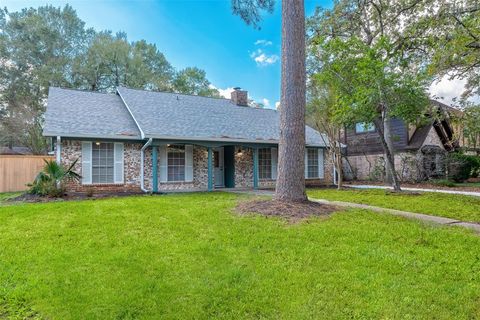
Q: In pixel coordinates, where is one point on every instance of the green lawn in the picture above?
(468, 184)
(465, 208)
(190, 257)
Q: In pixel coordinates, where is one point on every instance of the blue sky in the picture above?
(196, 33)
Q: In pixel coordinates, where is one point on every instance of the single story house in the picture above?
(137, 140)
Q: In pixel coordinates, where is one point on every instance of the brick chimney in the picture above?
(240, 97)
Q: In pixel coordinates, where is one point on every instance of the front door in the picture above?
(218, 170)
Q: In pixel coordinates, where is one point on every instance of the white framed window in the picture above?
(312, 163)
(103, 162)
(176, 163)
(362, 127)
(264, 163)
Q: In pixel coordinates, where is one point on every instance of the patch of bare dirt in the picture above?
(292, 211)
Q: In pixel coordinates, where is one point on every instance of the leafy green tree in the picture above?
(112, 61)
(251, 10)
(455, 42)
(38, 47)
(374, 52)
(372, 87)
(322, 106)
(194, 81)
(471, 125)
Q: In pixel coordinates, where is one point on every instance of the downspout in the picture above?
(142, 158)
(59, 150)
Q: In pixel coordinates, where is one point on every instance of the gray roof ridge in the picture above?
(142, 134)
(81, 90)
(195, 95)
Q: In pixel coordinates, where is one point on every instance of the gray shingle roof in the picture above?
(73, 113)
(161, 115)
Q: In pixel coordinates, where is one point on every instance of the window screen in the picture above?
(176, 163)
(312, 158)
(361, 127)
(264, 163)
(102, 162)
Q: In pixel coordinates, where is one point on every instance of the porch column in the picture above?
(154, 169)
(210, 169)
(255, 168)
(59, 150)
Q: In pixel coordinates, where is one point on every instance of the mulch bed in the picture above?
(293, 212)
(32, 198)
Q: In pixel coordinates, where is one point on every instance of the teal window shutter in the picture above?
(274, 162)
(86, 162)
(118, 162)
(189, 163)
(162, 155)
(321, 166)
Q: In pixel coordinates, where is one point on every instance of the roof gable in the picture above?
(74, 113)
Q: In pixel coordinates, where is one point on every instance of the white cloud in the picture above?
(263, 43)
(266, 102)
(226, 93)
(277, 104)
(450, 91)
(262, 58)
(447, 90)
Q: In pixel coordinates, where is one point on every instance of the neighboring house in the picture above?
(154, 141)
(420, 150)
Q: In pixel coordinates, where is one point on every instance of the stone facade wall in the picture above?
(244, 168)
(372, 167)
(72, 150)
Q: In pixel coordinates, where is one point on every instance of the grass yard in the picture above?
(468, 184)
(188, 256)
(8, 195)
(465, 208)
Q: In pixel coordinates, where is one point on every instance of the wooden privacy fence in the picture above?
(18, 170)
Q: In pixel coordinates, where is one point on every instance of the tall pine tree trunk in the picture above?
(291, 152)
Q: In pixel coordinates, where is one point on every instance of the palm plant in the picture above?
(51, 180)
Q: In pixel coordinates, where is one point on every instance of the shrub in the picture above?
(462, 167)
(51, 180)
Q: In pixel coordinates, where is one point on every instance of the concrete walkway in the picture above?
(406, 214)
(365, 186)
(410, 215)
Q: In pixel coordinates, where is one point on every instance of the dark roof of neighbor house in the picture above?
(419, 136)
(140, 114)
(442, 127)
